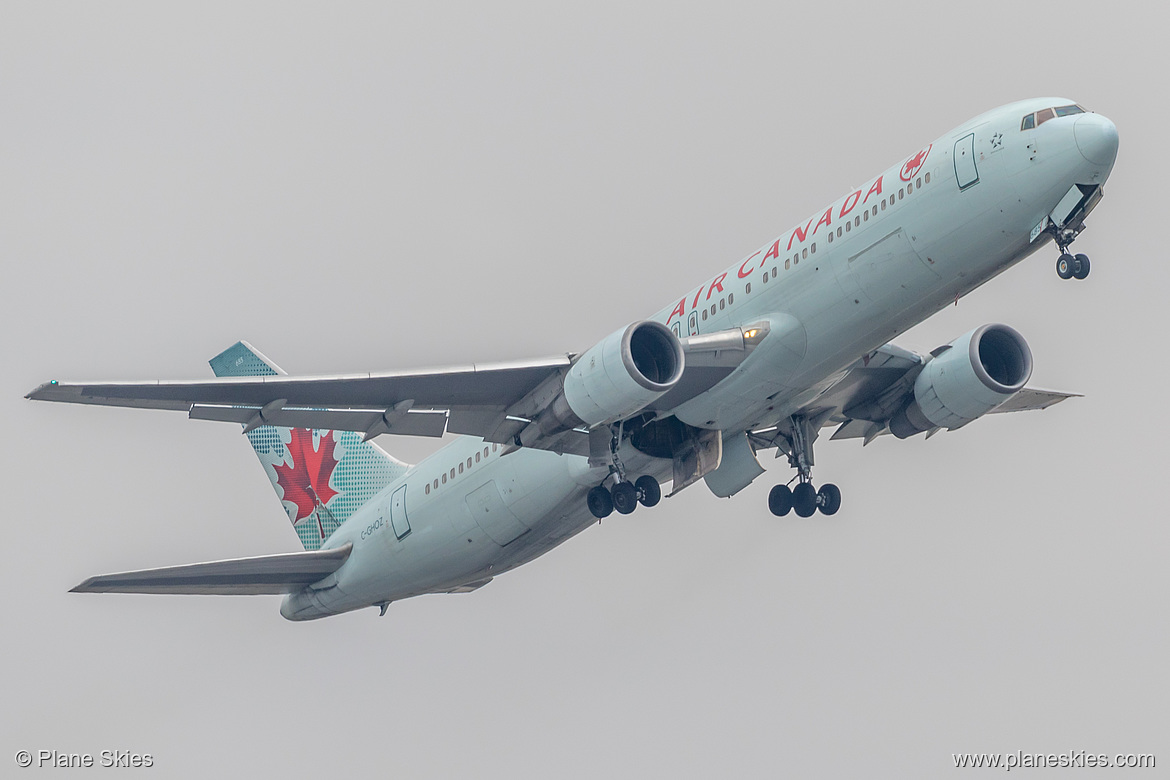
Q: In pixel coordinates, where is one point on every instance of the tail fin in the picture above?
(321, 477)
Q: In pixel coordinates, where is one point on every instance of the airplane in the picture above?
(767, 353)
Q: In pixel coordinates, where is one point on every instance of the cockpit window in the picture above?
(1040, 117)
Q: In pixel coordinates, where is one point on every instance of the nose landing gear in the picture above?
(1072, 266)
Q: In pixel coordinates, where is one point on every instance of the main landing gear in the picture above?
(796, 441)
(624, 496)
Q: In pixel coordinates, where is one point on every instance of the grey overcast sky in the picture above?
(372, 186)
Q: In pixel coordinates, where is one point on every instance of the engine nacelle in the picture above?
(978, 372)
(624, 372)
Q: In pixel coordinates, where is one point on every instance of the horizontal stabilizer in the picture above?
(265, 574)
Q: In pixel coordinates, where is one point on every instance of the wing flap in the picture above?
(422, 422)
(265, 574)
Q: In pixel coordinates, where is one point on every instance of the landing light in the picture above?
(750, 334)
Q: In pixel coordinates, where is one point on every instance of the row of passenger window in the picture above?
(442, 480)
(811, 249)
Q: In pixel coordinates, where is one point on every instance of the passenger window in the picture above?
(773, 273)
(1044, 116)
(813, 249)
(469, 463)
(909, 188)
(787, 263)
(427, 490)
(830, 238)
(765, 277)
(477, 456)
(1069, 110)
(712, 310)
(1029, 122)
(848, 226)
(857, 222)
(495, 447)
(452, 473)
(485, 452)
(461, 467)
(804, 253)
(875, 211)
(838, 232)
(444, 479)
(704, 315)
(730, 298)
(720, 304)
(928, 177)
(436, 483)
(748, 288)
(901, 193)
(865, 216)
(883, 204)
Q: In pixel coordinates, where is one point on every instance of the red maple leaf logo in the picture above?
(914, 163)
(306, 481)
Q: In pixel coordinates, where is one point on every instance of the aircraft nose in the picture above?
(1096, 138)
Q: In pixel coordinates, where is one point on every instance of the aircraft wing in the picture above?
(471, 399)
(494, 401)
(861, 399)
(266, 574)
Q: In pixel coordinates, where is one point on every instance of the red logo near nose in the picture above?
(912, 166)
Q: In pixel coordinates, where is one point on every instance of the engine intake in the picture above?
(624, 372)
(976, 373)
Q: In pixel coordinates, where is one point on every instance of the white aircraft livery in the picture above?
(767, 353)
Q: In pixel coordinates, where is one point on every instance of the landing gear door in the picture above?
(966, 174)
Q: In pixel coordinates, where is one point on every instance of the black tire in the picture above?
(600, 502)
(625, 498)
(1064, 266)
(1080, 266)
(780, 500)
(648, 490)
(829, 499)
(804, 499)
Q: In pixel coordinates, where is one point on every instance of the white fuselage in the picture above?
(842, 283)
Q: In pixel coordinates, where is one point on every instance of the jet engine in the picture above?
(965, 380)
(623, 373)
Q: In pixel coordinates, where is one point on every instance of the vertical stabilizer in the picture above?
(320, 476)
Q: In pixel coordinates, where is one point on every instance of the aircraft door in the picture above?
(398, 519)
(966, 174)
(693, 324)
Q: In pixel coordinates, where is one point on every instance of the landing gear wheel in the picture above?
(600, 502)
(625, 497)
(1080, 266)
(829, 499)
(780, 500)
(1064, 265)
(804, 499)
(648, 490)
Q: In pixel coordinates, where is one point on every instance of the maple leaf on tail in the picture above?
(306, 481)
